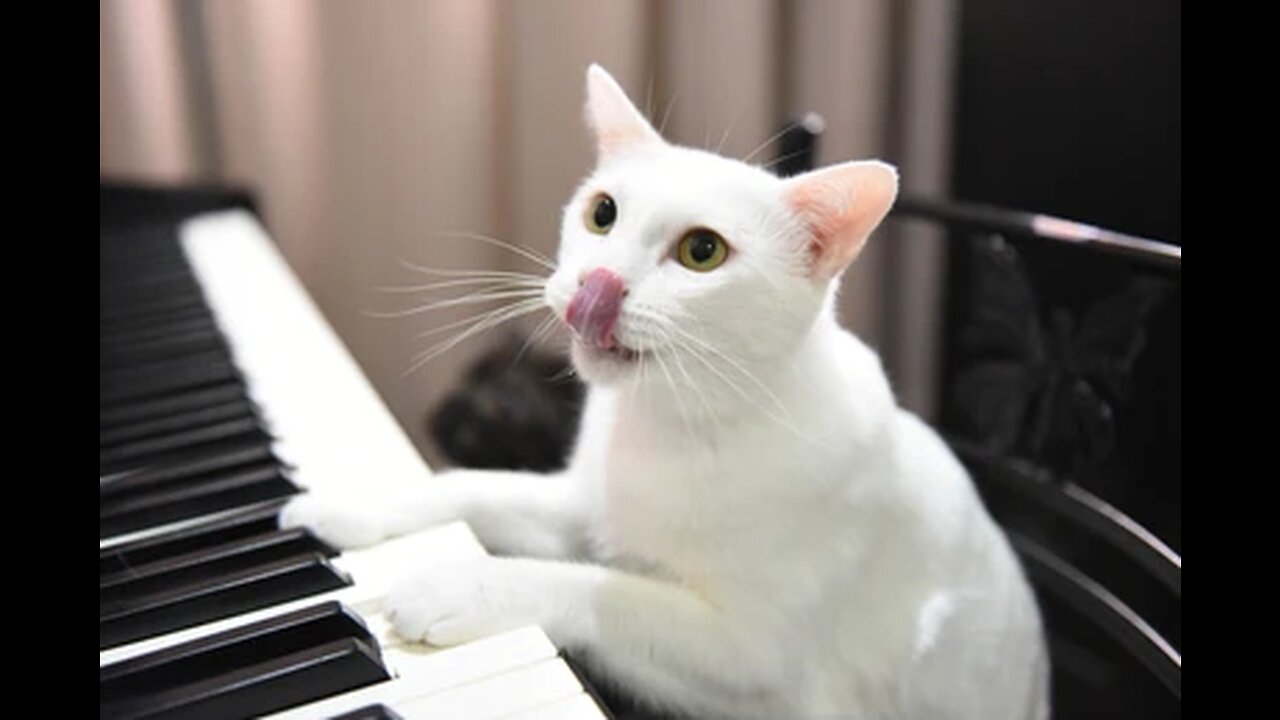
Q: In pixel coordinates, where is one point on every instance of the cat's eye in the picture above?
(602, 212)
(702, 250)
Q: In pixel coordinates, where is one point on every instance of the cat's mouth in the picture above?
(617, 352)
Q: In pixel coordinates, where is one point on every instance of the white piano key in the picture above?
(419, 674)
(373, 571)
(330, 421)
(579, 707)
(494, 697)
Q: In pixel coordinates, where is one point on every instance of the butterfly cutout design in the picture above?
(1044, 384)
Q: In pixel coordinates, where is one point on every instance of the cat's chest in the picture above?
(669, 498)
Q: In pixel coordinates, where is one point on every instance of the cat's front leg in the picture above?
(510, 512)
(664, 643)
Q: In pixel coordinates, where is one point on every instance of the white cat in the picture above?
(749, 525)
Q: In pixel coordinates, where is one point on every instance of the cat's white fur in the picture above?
(749, 525)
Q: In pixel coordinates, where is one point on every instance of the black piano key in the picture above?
(237, 408)
(191, 498)
(222, 652)
(138, 244)
(112, 271)
(182, 314)
(201, 460)
(150, 369)
(186, 344)
(246, 434)
(145, 290)
(118, 338)
(251, 521)
(164, 377)
(113, 263)
(139, 306)
(155, 407)
(152, 326)
(243, 423)
(141, 312)
(242, 433)
(232, 557)
(178, 370)
(265, 687)
(139, 240)
(157, 343)
(159, 278)
(216, 598)
(370, 712)
(140, 271)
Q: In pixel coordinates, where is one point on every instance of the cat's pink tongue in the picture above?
(594, 309)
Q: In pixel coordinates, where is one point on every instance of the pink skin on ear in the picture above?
(841, 205)
(618, 125)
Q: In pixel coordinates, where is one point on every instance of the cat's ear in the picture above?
(617, 124)
(840, 205)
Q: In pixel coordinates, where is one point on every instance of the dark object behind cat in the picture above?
(517, 409)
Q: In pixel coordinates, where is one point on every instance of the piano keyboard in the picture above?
(222, 393)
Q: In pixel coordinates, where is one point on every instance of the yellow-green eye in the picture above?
(602, 211)
(702, 250)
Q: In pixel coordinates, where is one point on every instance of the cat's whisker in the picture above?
(478, 317)
(696, 355)
(660, 319)
(470, 299)
(725, 137)
(552, 324)
(492, 320)
(484, 319)
(666, 323)
(662, 127)
(736, 365)
(784, 419)
(648, 99)
(675, 393)
(779, 160)
(772, 139)
(644, 376)
(541, 329)
(465, 273)
(702, 399)
(465, 282)
(640, 376)
(701, 357)
(568, 372)
(523, 251)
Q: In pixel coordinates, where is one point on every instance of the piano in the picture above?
(223, 392)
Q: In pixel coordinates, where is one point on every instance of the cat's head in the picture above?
(680, 266)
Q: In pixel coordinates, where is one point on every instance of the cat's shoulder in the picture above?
(931, 475)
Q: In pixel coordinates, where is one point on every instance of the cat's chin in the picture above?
(603, 367)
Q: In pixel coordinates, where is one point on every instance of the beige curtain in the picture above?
(372, 131)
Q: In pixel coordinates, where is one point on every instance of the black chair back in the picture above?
(1062, 393)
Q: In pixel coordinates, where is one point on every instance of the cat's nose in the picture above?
(593, 311)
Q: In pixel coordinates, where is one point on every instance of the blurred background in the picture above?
(372, 132)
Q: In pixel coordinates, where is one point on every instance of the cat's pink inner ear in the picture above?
(841, 205)
(618, 125)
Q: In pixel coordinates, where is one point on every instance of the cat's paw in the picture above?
(454, 604)
(342, 523)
